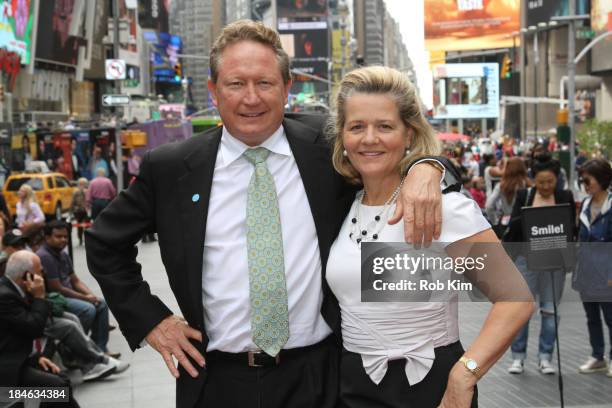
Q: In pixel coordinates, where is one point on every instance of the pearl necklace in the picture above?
(358, 233)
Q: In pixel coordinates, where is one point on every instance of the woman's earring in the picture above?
(407, 152)
(344, 153)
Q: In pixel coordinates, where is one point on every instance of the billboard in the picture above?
(153, 14)
(539, 11)
(301, 8)
(466, 91)
(452, 25)
(164, 48)
(16, 26)
(307, 85)
(601, 21)
(306, 44)
(53, 42)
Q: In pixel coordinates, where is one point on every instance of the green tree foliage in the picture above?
(595, 137)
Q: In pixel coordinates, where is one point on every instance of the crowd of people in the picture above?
(69, 330)
(502, 182)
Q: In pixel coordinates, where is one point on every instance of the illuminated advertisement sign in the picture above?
(305, 84)
(301, 8)
(16, 25)
(601, 21)
(470, 24)
(541, 11)
(466, 91)
(164, 49)
(306, 44)
(53, 42)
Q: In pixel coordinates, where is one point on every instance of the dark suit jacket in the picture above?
(20, 323)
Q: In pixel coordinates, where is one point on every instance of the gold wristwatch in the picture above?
(471, 365)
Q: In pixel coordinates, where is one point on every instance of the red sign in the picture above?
(10, 63)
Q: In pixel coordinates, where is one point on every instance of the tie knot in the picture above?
(257, 155)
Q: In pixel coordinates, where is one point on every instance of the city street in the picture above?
(149, 384)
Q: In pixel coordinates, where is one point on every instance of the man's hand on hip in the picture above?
(171, 339)
(420, 205)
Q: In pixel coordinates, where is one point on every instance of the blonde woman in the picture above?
(377, 128)
(78, 206)
(29, 214)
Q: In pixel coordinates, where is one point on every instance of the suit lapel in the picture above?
(194, 193)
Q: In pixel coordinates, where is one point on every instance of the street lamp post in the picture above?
(118, 148)
(571, 80)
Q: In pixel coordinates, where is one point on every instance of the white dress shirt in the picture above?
(225, 276)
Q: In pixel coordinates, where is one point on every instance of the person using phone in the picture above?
(23, 315)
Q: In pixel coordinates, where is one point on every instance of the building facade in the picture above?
(197, 22)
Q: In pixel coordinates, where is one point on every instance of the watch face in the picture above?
(471, 365)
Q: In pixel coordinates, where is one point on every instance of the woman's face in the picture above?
(374, 136)
(590, 184)
(545, 183)
(21, 193)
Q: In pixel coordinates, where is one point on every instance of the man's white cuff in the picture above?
(442, 182)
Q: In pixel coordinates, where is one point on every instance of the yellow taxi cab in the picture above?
(53, 192)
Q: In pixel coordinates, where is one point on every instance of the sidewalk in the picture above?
(148, 384)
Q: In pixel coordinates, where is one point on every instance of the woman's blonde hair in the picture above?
(28, 199)
(392, 83)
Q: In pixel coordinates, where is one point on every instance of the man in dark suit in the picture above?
(23, 315)
(245, 216)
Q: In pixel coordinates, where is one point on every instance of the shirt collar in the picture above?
(21, 293)
(232, 148)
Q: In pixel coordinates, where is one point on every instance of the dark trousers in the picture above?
(357, 390)
(92, 317)
(305, 380)
(97, 205)
(33, 377)
(596, 335)
(81, 216)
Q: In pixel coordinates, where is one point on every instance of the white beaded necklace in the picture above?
(358, 233)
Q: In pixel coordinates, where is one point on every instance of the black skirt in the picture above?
(357, 390)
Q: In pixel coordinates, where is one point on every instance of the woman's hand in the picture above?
(460, 388)
(48, 365)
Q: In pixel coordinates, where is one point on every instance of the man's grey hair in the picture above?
(18, 264)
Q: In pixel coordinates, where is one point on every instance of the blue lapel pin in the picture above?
(195, 198)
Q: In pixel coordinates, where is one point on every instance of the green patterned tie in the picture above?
(268, 290)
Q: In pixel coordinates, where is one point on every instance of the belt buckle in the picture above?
(251, 358)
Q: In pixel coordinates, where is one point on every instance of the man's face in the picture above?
(58, 239)
(250, 93)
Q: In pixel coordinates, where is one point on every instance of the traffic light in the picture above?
(563, 130)
(1, 93)
(178, 72)
(506, 70)
(509, 68)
